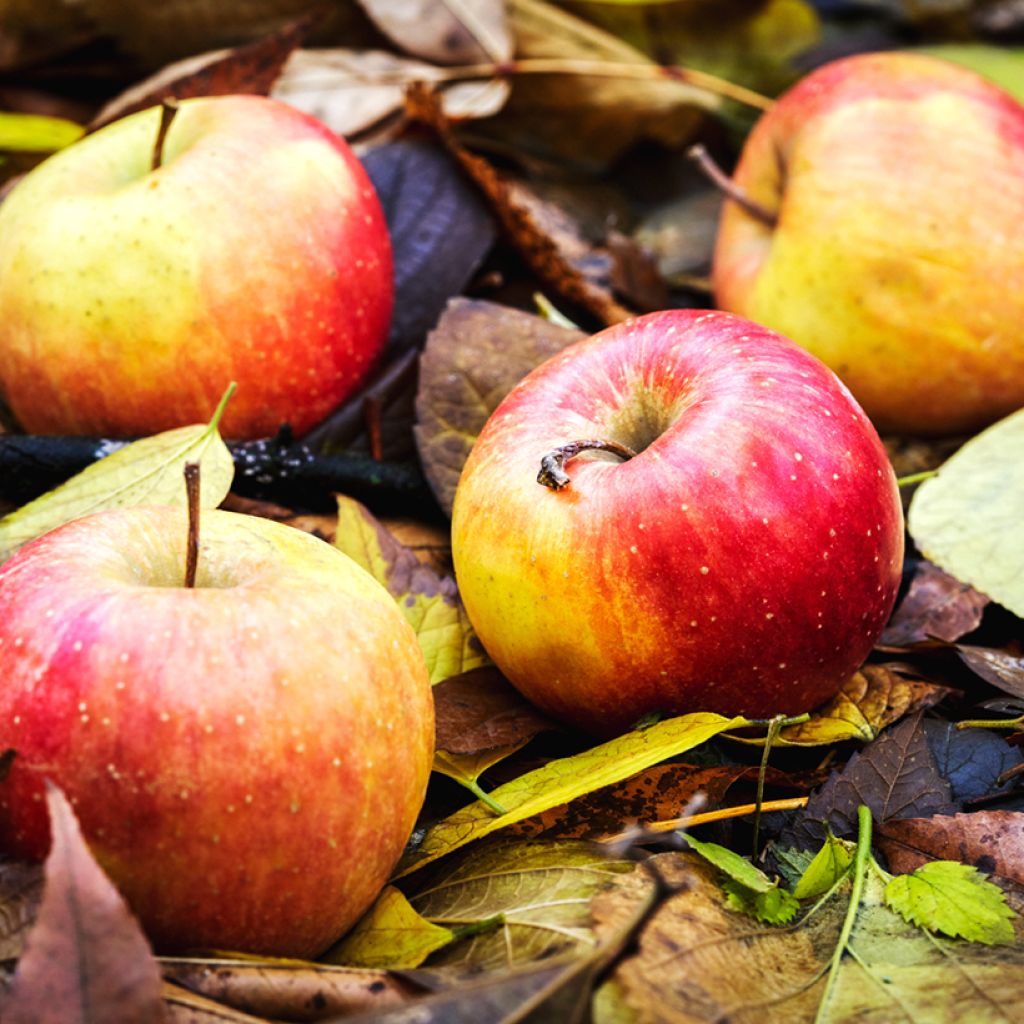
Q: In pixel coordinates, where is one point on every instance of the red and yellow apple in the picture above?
(129, 296)
(229, 749)
(743, 562)
(897, 185)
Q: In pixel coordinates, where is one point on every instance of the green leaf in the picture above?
(967, 518)
(999, 64)
(830, 864)
(774, 906)
(146, 472)
(390, 935)
(952, 898)
(35, 133)
(429, 601)
(738, 868)
(563, 780)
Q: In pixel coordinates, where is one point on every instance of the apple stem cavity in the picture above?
(729, 188)
(192, 551)
(552, 466)
(168, 108)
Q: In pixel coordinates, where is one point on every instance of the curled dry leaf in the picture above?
(445, 31)
(428, 600)
(565, 779)
(352, 91)
(992, 841)
(440, 231)
(1004, 669)
(936, 606)
(873, 699)
(474, 356)
(86, 960)
(252, 68)
(285, 989)
(698, 962)
(537, 247)
(895, 776)
(967, 518)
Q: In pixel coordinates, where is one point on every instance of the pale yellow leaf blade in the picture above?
(967, 519)
(145, 472)
(563, 780)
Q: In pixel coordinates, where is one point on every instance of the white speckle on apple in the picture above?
(17, 719)
(124, 657)
(792, 477)
(239, 719)
(85, 719)
(248, 798)
(18, 641)
(764, 519)
(336, 762)
(119, 685)
(632, 549)
(164, 717)
(769, 615)
(640, 526)
(294, 807)
(693, 623)
(782, 664)
(105, 721)
(183, 794)
(300, 748)
(704, 570)
(49, 615)
(835, 476)
(208, 728)
(798, 457)
(685, 508)
(82, 706)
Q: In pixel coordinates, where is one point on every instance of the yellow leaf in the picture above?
(390, 935)
(34, 133)
(563, 780)
(146, 472)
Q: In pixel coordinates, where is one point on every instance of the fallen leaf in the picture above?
(971, 760)
(252, 68)
(184, 1007)
(680, 233)
(429, 601)
(392, 934)
(954, 899)
(516, 215)
(966, 519)
(895, 776)
(828, 866)
(873, 699)
(474, 356)
(86, 960)
(1004, 669)
(20, 888)
(283, 989)
(521, 902)
(564, 779)
(696, 961)
(999, 64)
(36, 133)
(936, 606)
(445, 32)
(440, 231)
(992, 841)
(146, 472)
(352, 91)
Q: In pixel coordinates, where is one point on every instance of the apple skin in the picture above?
(130, 298)
(744, 562)
(230, 750)
(897, 259)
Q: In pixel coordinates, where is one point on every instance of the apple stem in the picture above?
(192, 553)
(168, 108)
(726, 185)
(552, 466)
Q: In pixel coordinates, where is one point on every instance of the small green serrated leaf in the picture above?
(390, 935)
(775, 906)
(952, 898)
(145, 472)
(830, 864)
(738, 868)
(36, 133)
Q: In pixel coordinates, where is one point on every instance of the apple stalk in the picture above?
(168, 109)
(706, 162)
(192, 548)
(552, 466)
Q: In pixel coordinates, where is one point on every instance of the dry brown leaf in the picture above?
(86, 960)
(252, 68)
(536, 246)
(288, 990)
(445, 31)
(936, 606)
(1004, 669)
(21, 886)
(473, 358)
(992, 841)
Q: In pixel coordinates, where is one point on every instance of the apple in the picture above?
(130, 296)
(229, 749)
(743, 561)
(896, 185)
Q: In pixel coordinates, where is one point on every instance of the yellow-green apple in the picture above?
(229, 749)
(744, 560)
(895, 187)
(130, 296)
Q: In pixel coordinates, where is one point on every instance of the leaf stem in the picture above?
(991, 723)
(729, 188)
(723, 814)
(861, 860)
(192, 552)
(773, 731)
(916, 478)
(222, 405)
(552, 465)
(481, 794)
